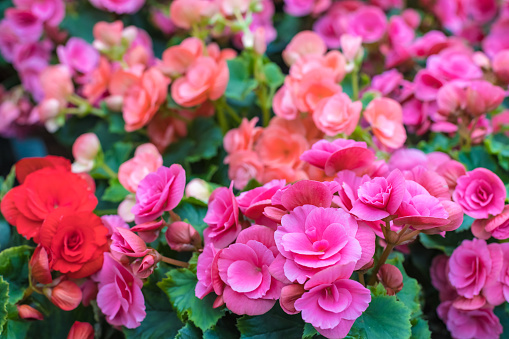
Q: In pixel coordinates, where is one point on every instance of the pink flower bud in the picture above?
(351, 46)
(198, 189)
(88, 291)
(126, 243)
(391, 277)
(149, 231)
(107, 34)
(143, 268)
(260, 44)
(124, 208)
(29, 313)
(290, 294)
(39, 266)
(81, 330)
(84, 150)
(66, 295)
(182, 236)
(501, 65)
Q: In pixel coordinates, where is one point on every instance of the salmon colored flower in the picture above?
(147, 159)
(386, 118)
(303, 43)
(337, 114)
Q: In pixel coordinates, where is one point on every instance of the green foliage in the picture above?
(192, 214)
(240, 84)
(189, 331)
(179, 286)
(271, 325)
(5, 234)
(4, 300)
(8, 182)
(273, 75)
(157, 324)
(224, 329)
(80, 19)
(477, 157)
(502, 312)
(14, 270)
(445, 244)
(310, 332)
(497, 146)
(115, 192)
(411, 291)
(420, 329)
(466, 224)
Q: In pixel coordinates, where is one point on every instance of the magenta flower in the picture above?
(119, 6)
(119, 296)
(340, 154)
(439, 271)
(380, 197)
(159, 192)
(244, 269)
(78, 55)
(333, 302)
(204, 271)
(111, 222)
(149, 231)
(472, 265)
(368, 22)
(124, 244)
(222, 217)
(253, 202)
(480, 193)
(51, 12)
(496, 291)
(348, 184)
(496, 226)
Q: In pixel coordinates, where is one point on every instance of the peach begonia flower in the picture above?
(386, 118)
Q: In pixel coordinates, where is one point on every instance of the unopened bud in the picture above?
(29, 313)
(392, 279)
(182, 236)
(66, 295)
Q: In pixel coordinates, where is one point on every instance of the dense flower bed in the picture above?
(256, 168)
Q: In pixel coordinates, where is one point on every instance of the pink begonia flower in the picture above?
(451, 170)
(24, 24)
(125, 244)
(480, 323)
(368, 22)
(496, 40)
(451, 98)
(333, 302)
(111, 222)
(253, 202)
(120, 297)
(182, 236)
(439, 271)
(427, 85)
(385, 116)
(430, 180)
(284, 104)
(483, 97)
(144, 267)
(57, 84)
(107, 34)
(480, 193)
(302, 44)
(244, 166)
(243, 137)
(399, 32)
(147, 159)
(474, 264)
(386, 82)
(186, 13)
(500, 65)
(205, 79)
(337, 114)
(159, 192)
(387, 4)
(497, 290)
(119, 7)
(81, 330)
(312, 238)
(340, 154)
(351, 46)
(405, 159)
(204, 271)
(380, 197)
(84, 151)
(149, 231)
(51, 12)
(244, 269)
(78, 55)
(230, 7)
(177, 59)
(348, 185)
(222, 217)
(289, 295)
(495, 226)
(454, 63)
(305, 7)
(162, 21)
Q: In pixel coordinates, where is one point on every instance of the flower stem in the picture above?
(355, 84)
(175, 262)
(108, 171)
(373, 279)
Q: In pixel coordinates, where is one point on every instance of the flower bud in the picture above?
(114, 102)
(66, 295)
(351, 46)
(501, 65)
(88, 291)
(129, 34)
(29, 313)
(85, 149)
(259, 44)
(290, 294)
(391, 277)
(125, 244)
(149, 231)
(198, 189)
(143, 268)
(81, 330)
(39, 266)
(181, 236)
(125, 207)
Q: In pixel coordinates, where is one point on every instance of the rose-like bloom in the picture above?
(78, 55)
(340, 154)
(177, 59)
(451, 98)
(368, 22)
(159, 192)
(204, 271)
(303, 43)
(243, 267)
(454, 63)
(337, 114)
(75, 241)
(205, 79)
(222, 217)
(386, 118)
(84, 151)
(315, 85)
(244, 166)
(380, 197)
(66, 295)
(27, 312)
(120, 297)
(312, 238)
(119, 7)
(24, 23)
(333, 302)
(439, 272)
(96, 83)
(107, 34)
(81, 330)
(495, 226)
(242, 138)
(284, 104)
(496, 291)
(472, 265)
(50, 11)
(253, 202)
(41, 192)
(480, 323)
(142, 100)
(125, 244)
(147, 159)
(480, 193)
(182, 236)
(483, 97)
(57, 84)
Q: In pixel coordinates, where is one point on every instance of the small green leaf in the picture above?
(8, 182)
(252, 184)
(273, 74)
(15, 329)
(4, 300)
(115, 192)
(502, 312)
(466, 224)
(311, 332)
(477, 157)
(420, 329)
(271, 325)
(14, 269)
(189, 332)
(179, 286)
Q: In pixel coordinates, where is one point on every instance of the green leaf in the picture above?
(271, 325)
(4, 300)
(410, 293)
(192, 214)
(252, 184)
(385, 318)
(157, 324)
(273, 74)
(477, 157)
(367, 97)
(14, 269)
(224, 329)
(15, 329)
(189, 332)
(79, 21)
(115, 192)
(240, 84)
(179, 286)
(420, 329)
(466, 224)
(8, 182)
(5, 234)
(446, 244)
(502, 312)
(311, 332)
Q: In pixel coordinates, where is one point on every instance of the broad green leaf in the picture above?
(157, 324)
(420, 329)
(4, 300)
(273, 74)
(179, 286)
(385, 318)
(466, 224)
(14, 269)
(477, 157)
(240, 84)
(189, 332)
(192, 214)
(224, 329)
(446, 244)
(15, 329)
(311, 332)
(115, 192)
(410, 293)
(271, 325)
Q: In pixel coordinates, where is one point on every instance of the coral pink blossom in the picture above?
(368, 22)
(279, 146)
(243, 137)
(284, 104)
(84, 151)
(495, 226)
(253, 202)
(204, 271)
(222, 217)
(386, 118)
(119, 7)
(380, 197)
(149, 231)
(159, 192)
(244, 166)
(333, 302)
(244, 269)
(177, 59)
(147, 159)
(303, 43)
(186, 13)
(480, 193)
(57, 84)
(340, 154)
(107, 34)
(337, 114)
(124, 244)
(66, 295)
(119, 296)
(472, 265)
(81, 330)
(78, 55)
(496, 291)
(205, 79)
(483, 97)
(96, 83)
